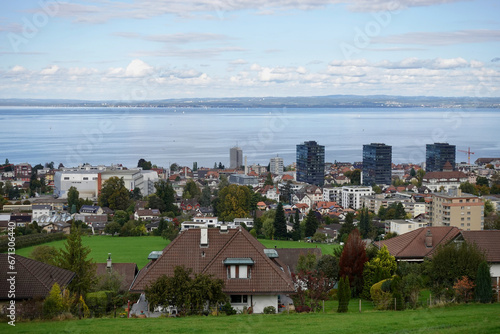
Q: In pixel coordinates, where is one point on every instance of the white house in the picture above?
(351, 196)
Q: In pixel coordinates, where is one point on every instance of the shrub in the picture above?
(269, 310)
(483, 291)
(381, 299)
(303, 308)
(228, 309)
(344, 294)
(53, 304)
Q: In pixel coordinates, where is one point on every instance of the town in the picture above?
(395, 219)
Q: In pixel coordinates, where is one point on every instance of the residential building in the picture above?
(276, 165)
(243, 180)
(436, 156)
(333, 194)
(22, 171)
(351, 196)
(416, 245)
(253, 277)
(402, 226)
(235, 157)
(375, 202)
(311, 163)
(377, 162)
(444, 180)
(32, 278)
(40, 211)
(464, 211)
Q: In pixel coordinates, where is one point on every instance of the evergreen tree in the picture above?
(206, 197)
(74, 257)
(483, 291)
(269, 180)
(348, 225)
(296, 226)
(311, 224)
(280, 223)
(73, 198)
(166, 193)
(344, 294)
(365, 226)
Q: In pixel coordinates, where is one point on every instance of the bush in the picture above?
(228, 309)
(53, 304)
(98, 302)
(381, 299)
(302, 308)
(269, 310)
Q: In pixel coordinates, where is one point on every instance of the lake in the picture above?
(185, 135)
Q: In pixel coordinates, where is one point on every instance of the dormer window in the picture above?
(238, 267)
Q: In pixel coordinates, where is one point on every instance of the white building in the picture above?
(351, 196)
(276, 165)
(39, 211)
(84, 181)
(400, 226)
(332, 194)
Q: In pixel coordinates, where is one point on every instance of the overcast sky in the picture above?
(160, 49)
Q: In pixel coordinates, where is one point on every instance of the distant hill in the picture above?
(330, 101)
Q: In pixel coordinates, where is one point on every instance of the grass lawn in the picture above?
(122, 249)
(325, 248)
(471, 318)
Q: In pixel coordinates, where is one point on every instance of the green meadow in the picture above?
(465, 318)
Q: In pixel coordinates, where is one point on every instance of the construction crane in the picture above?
(468, 154)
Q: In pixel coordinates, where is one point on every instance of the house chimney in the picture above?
(204, 237)
(428, 239)
(108, 262)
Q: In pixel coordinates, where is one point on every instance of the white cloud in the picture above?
(50, 70)
(239, 62)
(18, 69)
(137, 68)
(441, 38)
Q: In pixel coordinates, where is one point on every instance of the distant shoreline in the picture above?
(333, 101)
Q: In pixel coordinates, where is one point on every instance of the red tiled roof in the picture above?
(33, 278)
(444, 175)
(487, 240)
(287, 177)
(266, 274)
(411, 245)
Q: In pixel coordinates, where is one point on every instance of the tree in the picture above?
(73, 199)
(312, 286)
(352, 261)
(191, 190)
(296, 234)
(53, 304)
(488, 208)
(136, 194)
(348, 225)
(483, 291)
(482, 181)
(189, 295)
(311, 224)
(121, 217)
(166, 193)
(155, 202)
(463, 288)
(269, 180)
(344, 294)
(420, 177)
(413, 173)
(206, 197)
(234, 202)
(468, 188)
(280, 223)
(74, 257)
(45, 254)
(306, 262)
(365, 224)
(146, 165)
(112, 228)
(329, 266)
(174, 167)
(286, 192)
(114, 194)
(354, 176)
(380, 267)
(452, 261)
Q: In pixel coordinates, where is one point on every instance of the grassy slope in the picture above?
(470, 318)
(123, 250)
(326, 249)
(137, 249)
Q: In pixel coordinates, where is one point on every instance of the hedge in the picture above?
(31, 239)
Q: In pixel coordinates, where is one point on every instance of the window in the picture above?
(85, 178)
(239, 271)
(66, 177)
(239, 299)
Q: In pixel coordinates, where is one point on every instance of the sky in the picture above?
(162, 49)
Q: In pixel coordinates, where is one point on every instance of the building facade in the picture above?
(436, 156)
(377, 160)
(276, 165)
(311, 163)
(235, 157)
(464, 211)
(351, 196)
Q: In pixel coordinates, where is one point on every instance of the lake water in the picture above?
(184, 135)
